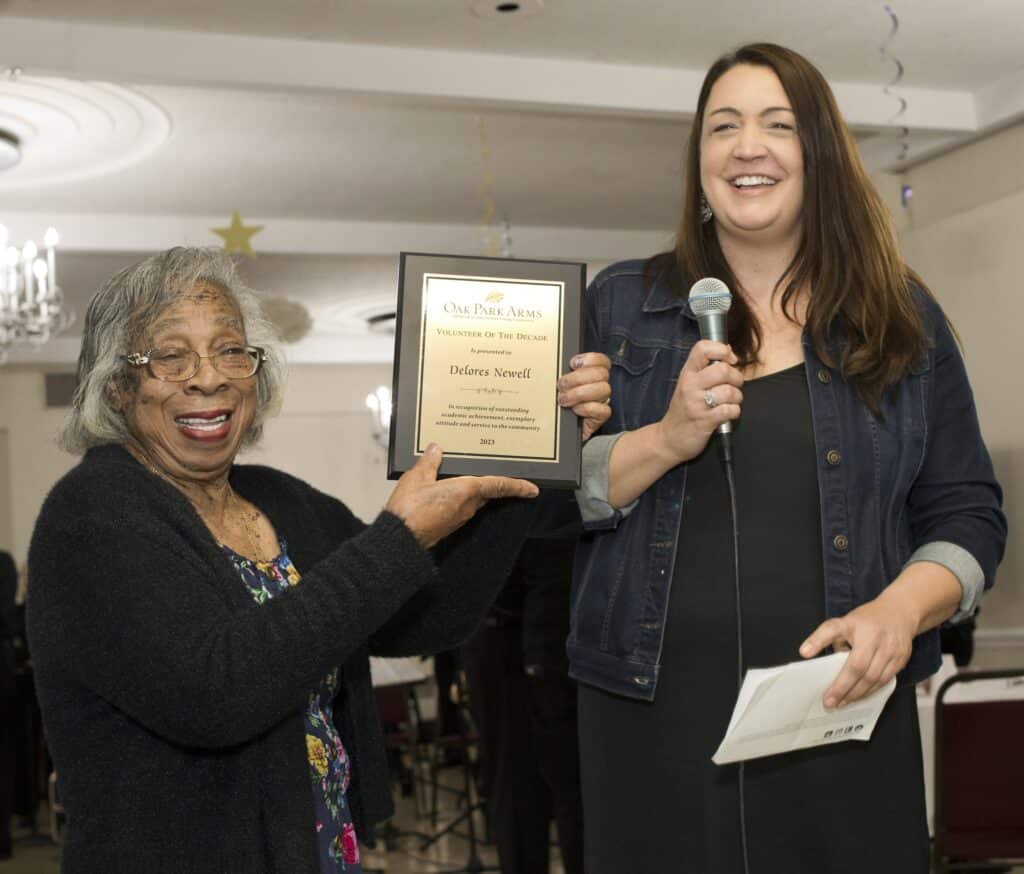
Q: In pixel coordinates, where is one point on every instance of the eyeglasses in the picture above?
(177, 365)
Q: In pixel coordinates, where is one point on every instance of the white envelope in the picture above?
(780, 709)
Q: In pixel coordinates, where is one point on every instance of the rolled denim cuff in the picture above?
(963, 566)
(592, 496)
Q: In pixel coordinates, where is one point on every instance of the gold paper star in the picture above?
(237, 236)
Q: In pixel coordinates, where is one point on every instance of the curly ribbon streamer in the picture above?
(494, 241)
(904, 134)
(489, 243)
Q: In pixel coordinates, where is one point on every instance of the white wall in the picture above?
(35, 462)
(6, 505)
(962, 232)
(323, 434)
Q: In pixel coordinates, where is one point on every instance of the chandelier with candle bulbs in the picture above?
(32, 308)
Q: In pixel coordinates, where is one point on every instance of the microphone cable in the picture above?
(725, 453)
(710, 301)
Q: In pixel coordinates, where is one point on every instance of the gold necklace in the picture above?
(247, 522)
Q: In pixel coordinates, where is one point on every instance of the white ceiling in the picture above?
(350, 129)
(327, 156)
(943, 43)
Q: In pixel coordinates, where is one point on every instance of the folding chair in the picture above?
(979, 777)
(466, 740)
(403, 735)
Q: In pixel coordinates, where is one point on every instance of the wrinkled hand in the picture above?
(879, 635)
(432, 509)
(689, 422)
(586, 390)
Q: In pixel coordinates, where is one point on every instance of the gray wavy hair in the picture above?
(120, 314)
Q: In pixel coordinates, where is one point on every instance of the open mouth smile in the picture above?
(205, 424)
(748, 182)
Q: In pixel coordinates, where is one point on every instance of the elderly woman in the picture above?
(206, 711)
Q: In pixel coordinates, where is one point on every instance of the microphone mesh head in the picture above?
(708, 296)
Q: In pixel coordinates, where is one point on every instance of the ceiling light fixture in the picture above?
(507, 8)
(31, 303)
(10, 150)
(381, 323)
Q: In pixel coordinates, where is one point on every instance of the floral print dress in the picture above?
(329, 767)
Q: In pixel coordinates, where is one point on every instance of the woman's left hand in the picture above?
(879, 635)
(587, 391)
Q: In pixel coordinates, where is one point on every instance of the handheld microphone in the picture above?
(710, 300)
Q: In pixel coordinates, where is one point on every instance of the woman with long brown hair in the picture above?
(868, 512)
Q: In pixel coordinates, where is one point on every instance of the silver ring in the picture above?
(709, 398)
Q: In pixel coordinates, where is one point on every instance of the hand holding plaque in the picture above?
(432, 510)
(480, 346)
(587, 390)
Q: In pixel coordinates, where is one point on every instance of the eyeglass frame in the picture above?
(144, 359)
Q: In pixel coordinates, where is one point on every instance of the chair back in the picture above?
(392, 704)
(979, 769)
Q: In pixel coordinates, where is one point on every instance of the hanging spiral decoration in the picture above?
(889, 57)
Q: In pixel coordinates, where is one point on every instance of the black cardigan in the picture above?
(173, 703)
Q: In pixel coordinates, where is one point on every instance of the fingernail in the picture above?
(830, 703)
(561, 398)
(576, 362)
(805, 649)
(433, 449)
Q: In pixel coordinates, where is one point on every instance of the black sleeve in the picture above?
(955, 497)
(473, 565)
(136, 622)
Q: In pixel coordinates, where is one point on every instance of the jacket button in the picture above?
(834, 456)
(824, 376)
(841, 542)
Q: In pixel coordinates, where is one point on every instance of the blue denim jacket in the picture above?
(915, 483)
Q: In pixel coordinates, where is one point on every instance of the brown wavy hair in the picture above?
(861, 291)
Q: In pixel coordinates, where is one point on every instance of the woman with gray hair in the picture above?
(205, 711)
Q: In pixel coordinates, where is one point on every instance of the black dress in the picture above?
(653, 800)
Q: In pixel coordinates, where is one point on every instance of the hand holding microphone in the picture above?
(708, 393)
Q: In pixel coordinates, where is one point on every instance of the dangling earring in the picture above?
(705, 210)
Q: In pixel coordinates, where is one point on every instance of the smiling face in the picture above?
(191, 430)
(751, 162)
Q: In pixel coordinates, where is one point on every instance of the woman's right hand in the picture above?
(688, 424)
(432, 509)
